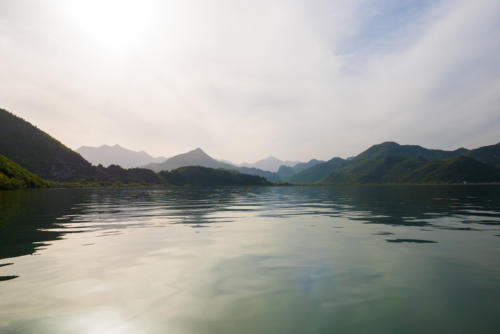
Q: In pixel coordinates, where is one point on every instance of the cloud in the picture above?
(296, 79)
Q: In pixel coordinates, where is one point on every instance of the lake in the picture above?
(358, 259)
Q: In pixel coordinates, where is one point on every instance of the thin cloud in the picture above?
(243, 80)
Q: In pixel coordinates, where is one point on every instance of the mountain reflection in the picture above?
(29, 220)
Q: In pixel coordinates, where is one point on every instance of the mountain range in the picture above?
(391, 162)
(116, 155)
(196, 157)
(38, 152)
(270, 164)
(29, 157)
(387, 162)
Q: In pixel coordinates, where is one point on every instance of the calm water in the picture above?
(251, 260)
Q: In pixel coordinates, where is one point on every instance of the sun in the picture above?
(112, 26)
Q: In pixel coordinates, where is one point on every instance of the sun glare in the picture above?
(113, 26)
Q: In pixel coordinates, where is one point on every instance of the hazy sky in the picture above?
(247, 79)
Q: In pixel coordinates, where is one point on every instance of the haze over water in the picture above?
(377, 259)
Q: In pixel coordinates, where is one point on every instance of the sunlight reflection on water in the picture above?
(247, 260)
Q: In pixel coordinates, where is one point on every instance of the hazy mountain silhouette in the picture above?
(317, 172)
(270, 176)
(270, 164)
(287, 172)
(305, 165)
(117, 155)
(196, 157)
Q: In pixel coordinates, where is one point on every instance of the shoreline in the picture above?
(169, 186)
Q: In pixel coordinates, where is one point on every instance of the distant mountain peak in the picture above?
(388, 143)
(196, 157)
(271, 158)
(197, 150)
(107, 155)
(271, 164)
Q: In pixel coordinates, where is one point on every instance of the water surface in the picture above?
(251, 260)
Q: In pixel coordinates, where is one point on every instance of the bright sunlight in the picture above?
(113, 26)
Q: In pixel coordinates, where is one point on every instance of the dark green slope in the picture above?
(116, 173)
(43, 155)
(415, 170)
(305, 165)
(390, 162)
(317, 172)
(38, 152)
(270, 176)
(13, 176)
(489, 155)
(392, 149)
(285, 173)
(463, 169)
(204, 176)
(382, 170)
(376, 155)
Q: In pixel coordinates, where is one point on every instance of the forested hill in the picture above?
(392, 149)
(390, 162)
(204, 176)
(487, 154)
(43, 155)
(13, 176)
(28, 156)
(396, 169)
(38, 152)
(31, 155)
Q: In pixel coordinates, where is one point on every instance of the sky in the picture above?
(296, 79)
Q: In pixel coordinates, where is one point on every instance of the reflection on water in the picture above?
(251, 260)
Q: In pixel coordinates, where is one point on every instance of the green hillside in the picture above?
(13, 176)
(30, 155)
(392, 149)
(204, 176)
(383, 170)
(115, 173)
(285, 173)
(305, 165)
(487, 154)
(317, 172)
(38, 152)
(463, 169)
(270, 176)
(390, 162)
(414, 170)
